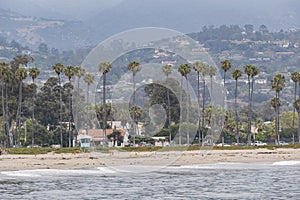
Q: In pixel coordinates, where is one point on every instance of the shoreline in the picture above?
(51, 160)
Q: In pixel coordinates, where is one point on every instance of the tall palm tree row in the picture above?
(33, 73)
(225, 65)
(12, 76)
(69, 71)
(295, 76)
(277, 84)
(167, 70)
(104, 68)
(236, 74)
(184, 70)
(59, 68)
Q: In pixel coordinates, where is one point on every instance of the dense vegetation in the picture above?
(39, 111)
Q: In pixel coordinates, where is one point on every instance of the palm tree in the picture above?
(104, 68)
(21, 74)
(225, 65)
(277, 84)
(236, 74)
(59, 68)
(184, 70)
(135, 114)
(88, 79)
(297, 107)
(202, 70)
(295, 76)
(79, 72)
(33, 73)
(255, 72)
(134, 67)
(69, 71)
(251, 72)
(248, 71)
(167, 70)
(20, 60)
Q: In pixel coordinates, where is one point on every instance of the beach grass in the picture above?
(45, 150)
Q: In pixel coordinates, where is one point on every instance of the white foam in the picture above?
(289, 162)
(106, 170)
(201, 166)
(55, 172)
(22, 173)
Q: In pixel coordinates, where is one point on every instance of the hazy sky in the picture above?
(64, 9)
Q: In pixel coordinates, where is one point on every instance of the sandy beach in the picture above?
(116, 158)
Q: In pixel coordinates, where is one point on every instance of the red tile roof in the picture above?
(97, 134)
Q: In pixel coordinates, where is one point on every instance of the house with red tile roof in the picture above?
(99, 138)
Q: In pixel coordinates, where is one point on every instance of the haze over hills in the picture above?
(57, 9)
(88, 22)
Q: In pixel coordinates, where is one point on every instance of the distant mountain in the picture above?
(192, 15)
(87, 22)
(31, 31)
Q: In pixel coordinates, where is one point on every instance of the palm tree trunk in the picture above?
(10, 136)
(33, 118)
(88, 111)
(4, 114)
(236, 113)
(249, 111)
(211, 88)
(223, 139)
(19, 110)
(251, 98)
(133, 101)
(180, 111)
(32, 122)
(188, 111)
(169, 115)
(299, 127)
(104, 106)
(203, 109)
(198, 98)
(70, 116)
(60, 112)
(76, 111)
(277, 122)
(294, 112)
(133, 79)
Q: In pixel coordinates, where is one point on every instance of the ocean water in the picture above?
(280, 180)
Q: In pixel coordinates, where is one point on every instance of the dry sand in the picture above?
(116, 158)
